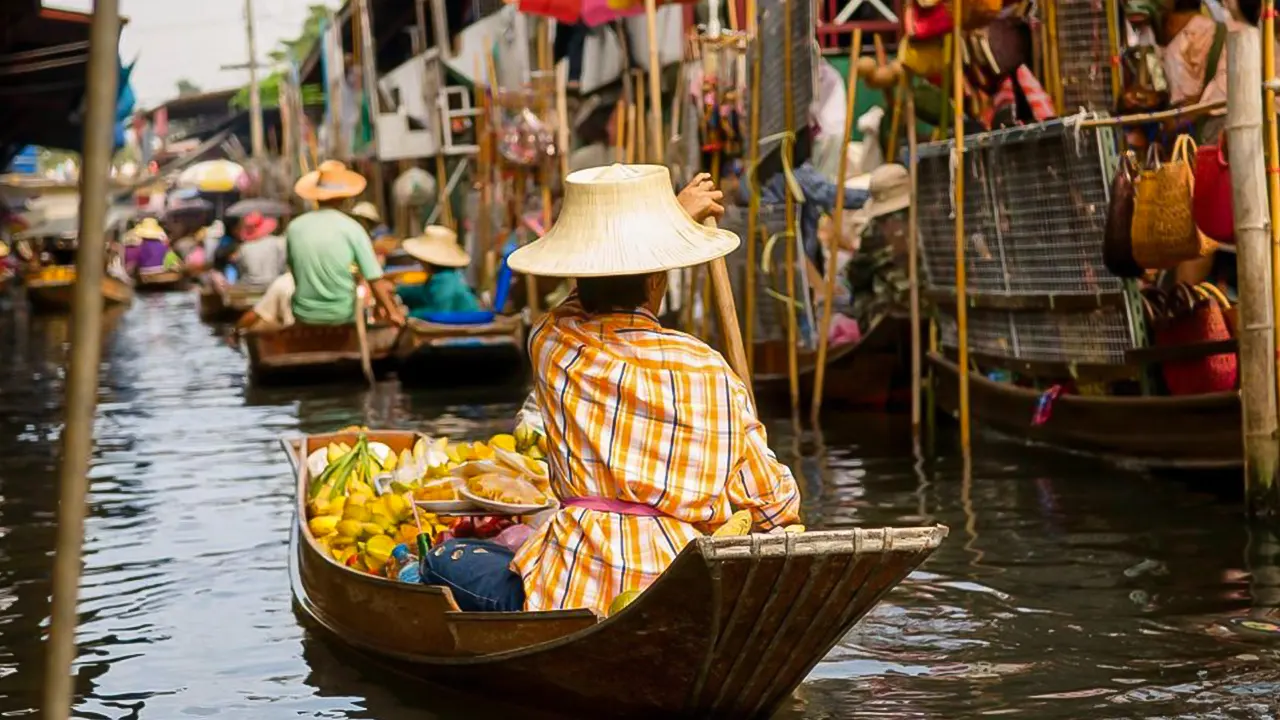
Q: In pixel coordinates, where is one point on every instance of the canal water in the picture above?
(1066, 589)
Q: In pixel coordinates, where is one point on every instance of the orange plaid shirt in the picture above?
(639, 413)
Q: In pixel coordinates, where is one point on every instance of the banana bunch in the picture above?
(529, 441)
(347, 464)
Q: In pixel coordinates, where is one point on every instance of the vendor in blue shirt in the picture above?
(446, 289)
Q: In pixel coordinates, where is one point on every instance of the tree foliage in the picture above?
(289, 50)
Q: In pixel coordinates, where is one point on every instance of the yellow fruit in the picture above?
(386, 522)
(542, 444)
(377, 551)
(358, 512)
(350, 529)
(623, 600)
(738, 524)
(398, 506)
(420, 449)
(480, 451)
(338, 540)
(504, 441)
(534, 453)
(370, 529)
(459, 453)
(794, 529)
(334, 452)
(405, 460)
(323, 525)
(337, 505)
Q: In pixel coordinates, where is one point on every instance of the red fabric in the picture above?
(1039, 101)
(1211, 201)
(928, 23)
(1216, 373)
(565, 11)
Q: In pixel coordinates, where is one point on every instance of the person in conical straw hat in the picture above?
(446, 289)
(324, 244)
(654, 440)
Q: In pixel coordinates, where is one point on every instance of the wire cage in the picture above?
(771, 311)
(1084, 55)
(772, 15)
(1035, 208)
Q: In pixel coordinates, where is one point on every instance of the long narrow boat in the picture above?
(873, 373)
(308, 353)
(456, 354)
(1187, 432)
(50, 289)
(228, 304)
(160, 281)
(730, 629)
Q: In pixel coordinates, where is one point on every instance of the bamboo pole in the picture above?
(793, 370)
(642, 138)
(1273, 150)
(962, 293)
(655, 81)
(913, 257)
(484, 173)
(86, 348)
(1253, 243)
(727, 311)
(837, 234)
(562, 116)
(753, 201)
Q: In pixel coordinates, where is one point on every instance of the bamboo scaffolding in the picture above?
(793, 361)
(86, 347)
(962, 293)
(1273, 152)
(1189, 111)
(753, 201)
(837, 234)
(913, 257)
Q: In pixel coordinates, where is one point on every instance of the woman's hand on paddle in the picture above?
(701, 199)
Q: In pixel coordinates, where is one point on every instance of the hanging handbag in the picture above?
(1212, 201)
(1144, 203)
(927, 23)
(1188, 316)
(1145, 87)
(1117, 239)
(1171, 236)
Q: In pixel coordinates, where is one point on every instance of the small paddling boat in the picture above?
(730, 629)
(50, 289)
(228, 304)
(307, 353)
(453, 353)
(157, 281)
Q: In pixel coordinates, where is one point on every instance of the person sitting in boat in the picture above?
(274, 309)
(324, 244)
(261, 257)
(446, 289)
(366, 213)
(656, 439)
(147, 248)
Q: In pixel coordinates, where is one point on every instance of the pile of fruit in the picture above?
(361, 497)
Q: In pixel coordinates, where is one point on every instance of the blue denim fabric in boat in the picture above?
(478, 573)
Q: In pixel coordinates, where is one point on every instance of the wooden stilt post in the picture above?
(655, 83)
(1253, 244)
(1273, 151)
(793, 361)
(837, 234)
(913, 254)
(86, 348)
(753, 202)
(962, 293)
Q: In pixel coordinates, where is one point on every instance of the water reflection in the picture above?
(1066, 589)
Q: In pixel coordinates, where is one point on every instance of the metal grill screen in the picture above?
(1084, 55)
(1035, 207)
(771, 312)
(772, 16)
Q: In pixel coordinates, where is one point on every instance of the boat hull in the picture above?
(159, 282)
(1175, 433)
(316, 353)
(433, 354)
(729, 630)
(229, 304)
(56, 295)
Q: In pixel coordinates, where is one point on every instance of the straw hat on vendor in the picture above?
(147, 229)
(437, 247)
(331, 181)
(890, 189)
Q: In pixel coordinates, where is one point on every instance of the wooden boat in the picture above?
(434, 353)
(50, 289)
(729, 630)
(1186, 432)
(872, 373)
(228, 304)
(160, 281)
(306, 353)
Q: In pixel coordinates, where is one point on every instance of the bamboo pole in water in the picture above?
(793, 370)
(913, 255)
(1253, 243)
(837, 233)
(86, 347)
(962, 293)
(753, 201)
(1273, 151)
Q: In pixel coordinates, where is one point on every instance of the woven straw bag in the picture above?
(1145, 201)
(1189, 315)
(1173, 238)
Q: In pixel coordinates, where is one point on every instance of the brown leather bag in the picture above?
(1117, 240)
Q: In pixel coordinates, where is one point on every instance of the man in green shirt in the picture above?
(326, 246)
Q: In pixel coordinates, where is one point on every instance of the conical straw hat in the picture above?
(621, 220)
(437, 246)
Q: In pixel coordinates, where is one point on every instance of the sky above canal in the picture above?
(193, 39)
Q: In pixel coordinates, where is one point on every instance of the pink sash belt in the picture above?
(622, 507)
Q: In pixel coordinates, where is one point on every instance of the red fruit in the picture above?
(464, 528)
(488, 527)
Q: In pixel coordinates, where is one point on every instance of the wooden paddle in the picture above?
(727, 312)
